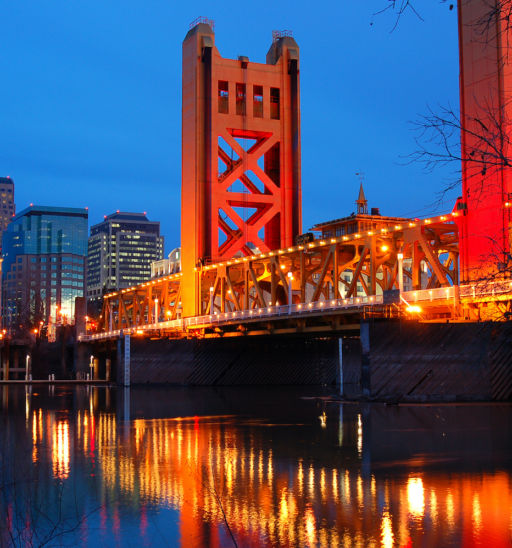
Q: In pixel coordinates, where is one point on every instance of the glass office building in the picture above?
(44, 251)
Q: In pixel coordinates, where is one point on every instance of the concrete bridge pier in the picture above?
(5, 360)
(229, 361)
(398, 361)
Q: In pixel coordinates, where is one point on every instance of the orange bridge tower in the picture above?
(241, 187)
(485, 117)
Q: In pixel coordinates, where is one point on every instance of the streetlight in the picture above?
(211, 299)
(156, 310)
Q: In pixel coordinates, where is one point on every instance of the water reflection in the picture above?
(280, 480)
(60, 449)
(416, 497)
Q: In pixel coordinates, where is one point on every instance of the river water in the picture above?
(98, 466)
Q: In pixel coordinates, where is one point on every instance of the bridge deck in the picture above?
(444, 301)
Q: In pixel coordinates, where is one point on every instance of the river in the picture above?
(219, 467)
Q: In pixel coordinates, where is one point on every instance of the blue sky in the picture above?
(90, 101)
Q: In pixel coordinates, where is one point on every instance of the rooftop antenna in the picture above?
(361, 202)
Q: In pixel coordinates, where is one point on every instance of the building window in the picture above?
(257, 101)
(274, 103)
(240, 99)
(223, 97)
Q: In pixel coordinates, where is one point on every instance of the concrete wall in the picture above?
(409, 361)
(398, 361)
(234, 361)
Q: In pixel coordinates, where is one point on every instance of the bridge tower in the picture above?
(485, 115)
(241, 188)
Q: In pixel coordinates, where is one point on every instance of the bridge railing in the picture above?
(284, 310)
(422, 295)
(486, 288)
(299, 309)
(475, 290)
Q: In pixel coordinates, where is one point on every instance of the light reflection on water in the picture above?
(268, 475)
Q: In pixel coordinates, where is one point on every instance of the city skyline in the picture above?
(95, 108)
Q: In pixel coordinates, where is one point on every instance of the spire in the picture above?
(362, 202)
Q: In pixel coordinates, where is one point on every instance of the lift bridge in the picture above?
(299, 289)
(244, 267)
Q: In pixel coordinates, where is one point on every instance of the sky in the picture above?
(90, 101)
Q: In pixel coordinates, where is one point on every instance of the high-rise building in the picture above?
(7, 206)
(44, 253)
(121, 250)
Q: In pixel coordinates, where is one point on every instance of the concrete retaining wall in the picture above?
(268, 360)
(392, 361)
(408, 361)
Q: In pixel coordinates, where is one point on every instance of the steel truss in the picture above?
(350, 266)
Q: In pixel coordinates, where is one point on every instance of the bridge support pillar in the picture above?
(340, 365)
(412, 361)
(365, 359)
(123, 361)
(5, 362)
(16, 361)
